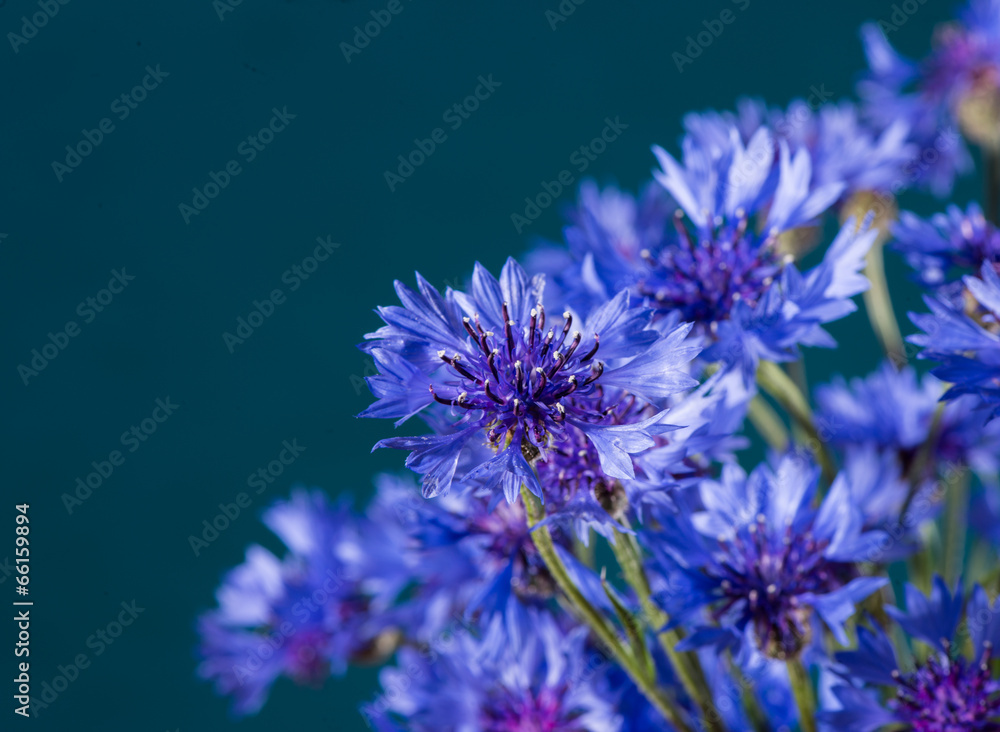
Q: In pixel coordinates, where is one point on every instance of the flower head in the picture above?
(843, 149)
(946, 693)
(894, 411)
(547, 683)
(304, 616)
(947, 245)
(718, 263)
(505, 372)
(760, 559)
(956, 86)
(965, 339)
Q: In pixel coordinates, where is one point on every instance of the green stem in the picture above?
(804, 698)
(955, 526)
(768, 424)
(918, 568)
(878, 304)
(780, 386)
(751, 706)
(592, 617)
(685, 665)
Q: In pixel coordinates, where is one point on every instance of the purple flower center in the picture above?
(524, 711)
(704, 275)
(768, 574)
(306, 659)
(948, 695)
(506, 528)
(521, 375)
(975, 241)
(962, 59)
(573, 466)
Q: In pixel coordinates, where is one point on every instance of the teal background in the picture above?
(297, 376)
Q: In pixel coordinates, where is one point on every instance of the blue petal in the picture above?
(931, 619)
(435, 457)
(838, 606)
(860, 712)
(874, 660)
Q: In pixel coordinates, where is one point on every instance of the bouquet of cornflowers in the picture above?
(577, 548)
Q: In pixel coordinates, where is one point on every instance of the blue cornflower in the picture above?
(487, 359)
(842, 147)
(306, 615)
(965, 339)
(724, 270)
(719, 264)
(898, 443)
(947, 245)
(889, 408)
(947, 692)
(894, 411)
(956, 86)
(549, 681)
(761, 560)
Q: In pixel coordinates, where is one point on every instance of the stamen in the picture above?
(560, 415)
(593, 351)
(568, 389)
(595, 374)
(574, 345)
(542, 381)
(566, 326)
(491, 395)
(467, 322)
(546, 343)
(559, 361)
